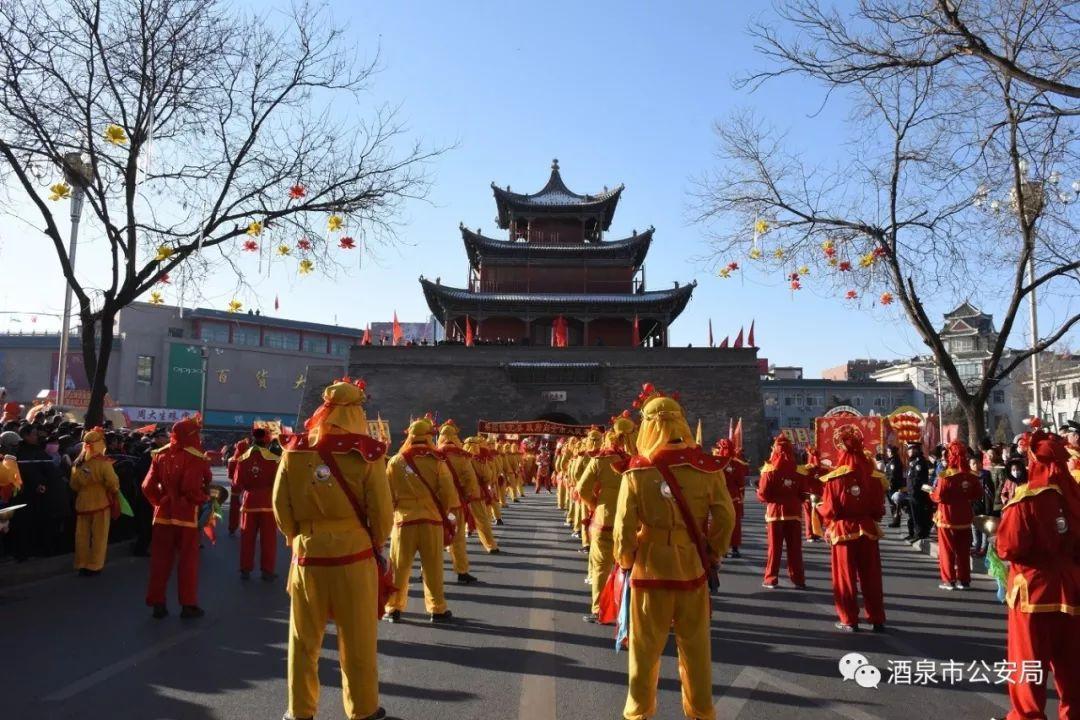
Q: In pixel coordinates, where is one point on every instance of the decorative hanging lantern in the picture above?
(346, 243)
(303, 244)
(886, 298)
(164, 252)
(284, 250)
(255, 228)
(297, 191)
(59, 191)
(250, 246)
(115, 134)
(235, 306)
(851, 295)
(306, 266)
(334, 223)
(156, 298)
(845, 266)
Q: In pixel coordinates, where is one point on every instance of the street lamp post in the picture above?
(77, 173)
(1033, 201)
(205, 352)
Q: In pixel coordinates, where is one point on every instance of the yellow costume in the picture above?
(593, 441)
(460, 464)
(599, 491)
(96, 488)
(482, 469)
(333, 572)
(668, 580)
(422, 490)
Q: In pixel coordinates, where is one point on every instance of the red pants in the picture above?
(736, 534)
(784, 532)
(808, 519)
(261, 524)
(954, 555)
(1050, 639)
(856, 565)
(234, 509)
(168, 542)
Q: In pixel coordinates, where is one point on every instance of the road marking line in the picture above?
(99, 676)
(792, 688)
(730, 707)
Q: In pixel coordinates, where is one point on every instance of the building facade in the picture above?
(859, 370)
(256, 365)
(1059, 376)
(795, 402)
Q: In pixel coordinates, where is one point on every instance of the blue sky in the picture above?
(622, 92)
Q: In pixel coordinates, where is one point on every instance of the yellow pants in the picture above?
(561, 496)
(458, 553)
(496, 509)
(575, 506)
(91, 540)
(653, 612)
(483, 524)
(405, 543)
(583, 513)
(601, 560)
(351, 593)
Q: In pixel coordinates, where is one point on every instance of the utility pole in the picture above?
(78, 174)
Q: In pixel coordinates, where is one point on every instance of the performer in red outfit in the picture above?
(781, 487)
(234, 491)
(956, 489)
(176, 486)
(811, 520)
(255, 472)
(852, 503)
(1039, 535)
(735, 471)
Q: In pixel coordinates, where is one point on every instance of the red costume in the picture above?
(234, 492)
(852, 503)
(255, 472)
(735, 471)
(1039, 535)
(176, 486)
(811, 519)
(955, 491)
(781, 487)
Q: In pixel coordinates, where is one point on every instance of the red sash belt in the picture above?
(423, 521)
(653, 583)
(335, 561)
(93, 512)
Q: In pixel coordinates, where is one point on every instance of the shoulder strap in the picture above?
(335, 472)
(688, 518)
(438, 505)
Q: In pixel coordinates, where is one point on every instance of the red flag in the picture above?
(710, 333)
(366, 340)
(637, 332)
(725, 343)
(468, 332)
(277, 303)
(738, 339)
(750, 336)
(398, 335)
(737, 440)
(558, 332)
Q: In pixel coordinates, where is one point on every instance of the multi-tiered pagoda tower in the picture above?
(555, 270)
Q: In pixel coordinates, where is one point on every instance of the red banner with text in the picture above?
(826, 435)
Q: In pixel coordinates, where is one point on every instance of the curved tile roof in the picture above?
(556, 197)
(482, 248)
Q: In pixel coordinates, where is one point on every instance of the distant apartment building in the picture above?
(256, 365)
(1059, 377)
(795, 402)
(859, 370)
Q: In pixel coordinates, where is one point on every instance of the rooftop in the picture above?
(282, 323)
(482, 249)
(555, 198)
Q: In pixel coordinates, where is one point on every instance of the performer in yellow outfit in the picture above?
(332, 503)
(671, 478)
(480, 508)
(599, 490)
(492, 463)
(96, 491)
(423, 493)
(460, 465)
(562, 452)
(593, 442)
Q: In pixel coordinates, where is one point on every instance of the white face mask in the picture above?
(1015, 473)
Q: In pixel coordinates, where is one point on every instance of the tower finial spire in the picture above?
(555, 165)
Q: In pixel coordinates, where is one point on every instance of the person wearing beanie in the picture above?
(332, 503)
(254, 474)
(96, 488)
(422, 490)
(673, 523)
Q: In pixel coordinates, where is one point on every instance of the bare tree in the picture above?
(190, 128)
(950, 187)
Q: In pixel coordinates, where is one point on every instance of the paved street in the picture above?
(87, 648)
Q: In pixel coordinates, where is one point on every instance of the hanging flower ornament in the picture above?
(867, 260)
(778, 253)
(164, 252)
(235, 305)
(346, 243)
(829, 248)
(284, 250)
(793, 276)
(755, 253)
(886, 298)
(724, 272)
(733, 266)
(115, 135)
(59, 191)
(255, 228)
(164, 279)
(303, 244)
(845, 266)
(804, 270)
(851, 295)
(880, 252)
(156, 298)
(761, 226)
(297, 191)
(250, 246)
(334, 223)
(796, 285)
(832, 262)
(306, 266)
